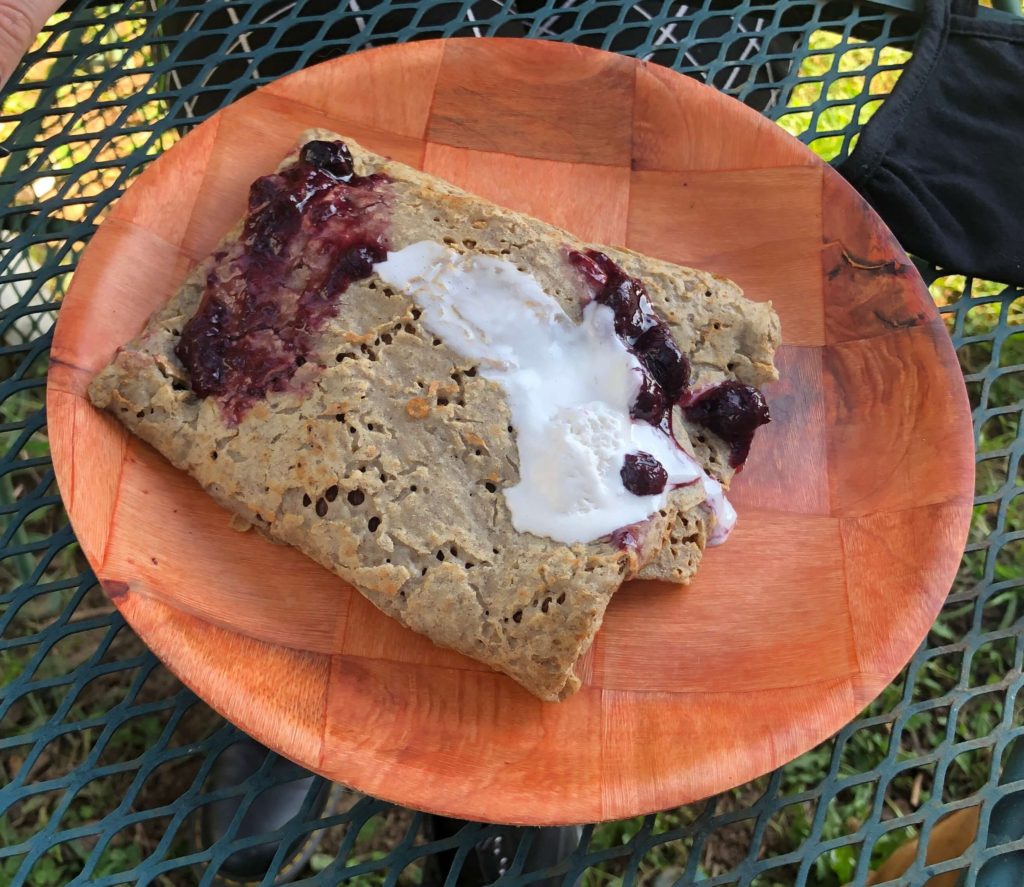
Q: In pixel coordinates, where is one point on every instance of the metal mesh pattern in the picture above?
(104, 757)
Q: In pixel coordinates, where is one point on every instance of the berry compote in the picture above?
(312, 229)
(731, 410)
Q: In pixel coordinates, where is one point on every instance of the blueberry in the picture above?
(733, 412)
(643, 475)
(358, 262)
(331, 157)
(663, 360)
(623, 297)
(590, 269)
(263, 190)
(650, 404)
(271, 227)
(353, 264)
(606, 267)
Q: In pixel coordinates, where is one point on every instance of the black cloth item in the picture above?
(942, 162)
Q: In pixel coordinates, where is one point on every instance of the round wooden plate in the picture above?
(853, 507)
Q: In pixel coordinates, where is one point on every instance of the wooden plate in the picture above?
(853, 508)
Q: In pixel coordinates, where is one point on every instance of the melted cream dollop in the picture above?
(569, 388)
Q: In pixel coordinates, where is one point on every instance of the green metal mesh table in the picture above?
(104, 756)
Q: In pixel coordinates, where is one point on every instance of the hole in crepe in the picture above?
(140, 414)
(730, 367)
(331, 493)
(440, 555)
(469, 244)
(491, 488)
(306, 501)
(442, 401)
(372, 524)
(423, 572)
(494, 550)
(454, 551)
(213, 455)
(321, 507)
(386, 338)
(351, 429)
(716, 325)
(479, 452)
(383, 478)
(707, 294)
(560, 599)
(409, 328)
(356, 497)
(470, 565)
(416, 313)
(413, 488)
(339, 417)
(178, 385)
(545, 605)
(517, 616)
(300, 361)
(509, 427)
(471, 371)
(437, 342)
(702, 438)
(369, 426)
(340, 357)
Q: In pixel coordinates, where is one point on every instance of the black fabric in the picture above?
(272, 809)
(943, 159)
(492, 856)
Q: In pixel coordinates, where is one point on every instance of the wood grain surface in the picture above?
(853, 508)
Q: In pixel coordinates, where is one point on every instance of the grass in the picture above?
(834, 69)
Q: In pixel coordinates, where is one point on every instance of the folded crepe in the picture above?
(308, 396)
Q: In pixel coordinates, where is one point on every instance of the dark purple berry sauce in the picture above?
(666, 371)
(628, 537)
(312, 229)
(732, 411)
(643, 475)
(663, 360)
